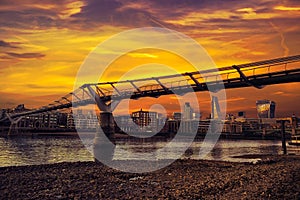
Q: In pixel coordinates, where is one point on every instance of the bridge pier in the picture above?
(283, 136)
(104, 144)
(107, 124)
(294, 124)
(13, 128)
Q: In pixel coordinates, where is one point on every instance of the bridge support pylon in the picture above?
(104, 144)
(13, 128)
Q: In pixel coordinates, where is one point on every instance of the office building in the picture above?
(145, 119)
(265, 108)
(187, 112)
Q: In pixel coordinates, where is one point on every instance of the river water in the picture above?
(45, 150)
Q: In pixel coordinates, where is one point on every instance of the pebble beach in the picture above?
(274, 177)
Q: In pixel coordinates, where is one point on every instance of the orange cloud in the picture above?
(284, 8)
(43, 44)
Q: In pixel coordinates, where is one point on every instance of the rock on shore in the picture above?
(272, 178)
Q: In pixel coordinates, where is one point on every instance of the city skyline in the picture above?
(165, 99)
(146, 122)
(264, 109)
(44, 44)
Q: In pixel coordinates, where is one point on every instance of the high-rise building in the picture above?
(265, 108)
(188, 111)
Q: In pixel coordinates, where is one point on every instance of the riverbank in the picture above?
(122, 136)
(272, 178)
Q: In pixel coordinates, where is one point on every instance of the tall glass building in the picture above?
(188, 111)
(265, 108)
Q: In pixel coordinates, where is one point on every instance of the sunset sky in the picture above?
(44, 42)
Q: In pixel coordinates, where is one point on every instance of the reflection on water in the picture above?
(224, 150)
(44, 150)
(31, 151)
(228, 149)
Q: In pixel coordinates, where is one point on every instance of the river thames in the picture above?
(18, 151)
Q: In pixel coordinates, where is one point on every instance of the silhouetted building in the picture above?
(20, 108)
(241, 114)
(294, 121)
(41, 120)
(62, 120)
(187, 112)
(70, 121)
(172, 126)
(177, 116)
(3, 113)
(145, 118)
(265, 108)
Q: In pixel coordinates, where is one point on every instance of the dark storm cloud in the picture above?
(178, 9)
(25, 55)
(125, 13)
(129, 13)
(22, 15)
(7, 44)
(111, 12)
(29, 19)
(173, 9)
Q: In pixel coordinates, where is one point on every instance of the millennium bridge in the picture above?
(106, 95)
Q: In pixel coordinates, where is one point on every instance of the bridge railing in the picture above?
(262, 68)
(217, 76)
(249, 70)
